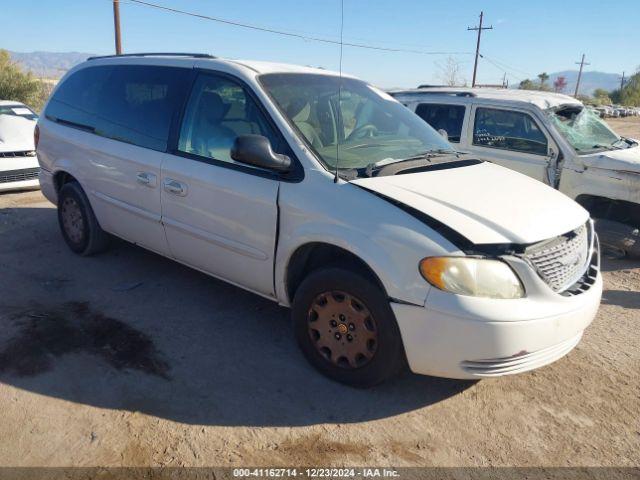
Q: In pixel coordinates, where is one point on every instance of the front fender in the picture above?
(389, 240)
(601, 183)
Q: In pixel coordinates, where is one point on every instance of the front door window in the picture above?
(508, 130)
(220, 110)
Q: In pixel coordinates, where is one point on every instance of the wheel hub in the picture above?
(342, 329)
(72, 220)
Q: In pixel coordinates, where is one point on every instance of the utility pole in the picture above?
(582, 63)
(505, 83)
(479, 28)
(116, 24)
(622, 82)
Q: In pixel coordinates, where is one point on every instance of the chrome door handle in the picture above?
(174, 187)
(146, 178)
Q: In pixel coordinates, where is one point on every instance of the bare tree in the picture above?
(450, 72)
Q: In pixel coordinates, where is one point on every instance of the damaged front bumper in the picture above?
(465, 337)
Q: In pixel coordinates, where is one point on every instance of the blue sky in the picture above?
(528, 37)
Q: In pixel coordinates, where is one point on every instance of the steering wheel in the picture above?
(367, 130)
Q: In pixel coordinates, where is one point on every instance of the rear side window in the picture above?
(508, 130)
(445, 117)
(133, 104)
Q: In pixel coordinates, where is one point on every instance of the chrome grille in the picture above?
(19, 175)
(590, 275)
(561, 262)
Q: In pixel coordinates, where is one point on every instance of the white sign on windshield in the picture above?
(22, 111)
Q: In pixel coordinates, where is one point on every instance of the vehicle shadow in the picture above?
(622, 298)
(133, 331)
(611, 263)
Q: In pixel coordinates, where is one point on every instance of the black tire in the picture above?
(389, 357)
(78, 224)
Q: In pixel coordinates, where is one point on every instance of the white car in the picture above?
(324, 194)
(18, 163)
(550, 137)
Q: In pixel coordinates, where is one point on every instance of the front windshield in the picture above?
(367, 126)
(584, 130)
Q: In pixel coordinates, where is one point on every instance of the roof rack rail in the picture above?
(155, 54)
(446, 91)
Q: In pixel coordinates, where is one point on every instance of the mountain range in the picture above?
(589, 81)
(54, 64)
(49, 64)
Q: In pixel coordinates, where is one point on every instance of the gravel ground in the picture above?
(129, 359)
(628, 126)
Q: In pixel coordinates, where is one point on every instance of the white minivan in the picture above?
(324, 194)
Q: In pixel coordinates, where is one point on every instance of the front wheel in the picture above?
(346, 328)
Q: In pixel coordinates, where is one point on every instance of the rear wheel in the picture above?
(78, 223)
(346, 328)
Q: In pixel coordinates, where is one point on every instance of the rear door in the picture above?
(221, 216)
(511, 138)
(120, 117)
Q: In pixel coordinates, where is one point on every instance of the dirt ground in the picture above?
(129, 359)
(627, 127)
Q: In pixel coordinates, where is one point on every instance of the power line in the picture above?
(289, 33)
(479, 28)
(501, 68)
(506, 66)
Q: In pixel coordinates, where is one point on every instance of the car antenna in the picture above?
(338, 117)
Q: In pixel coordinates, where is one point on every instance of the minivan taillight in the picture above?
(36, 136)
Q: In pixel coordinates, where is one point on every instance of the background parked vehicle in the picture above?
(18, 162)
(321, 192)
(550, 137)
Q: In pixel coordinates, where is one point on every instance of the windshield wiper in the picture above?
(623, 141)
(428, 155)
(606, 147)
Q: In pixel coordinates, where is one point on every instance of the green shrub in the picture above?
(20, 86)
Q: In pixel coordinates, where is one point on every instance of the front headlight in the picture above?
(478, 277)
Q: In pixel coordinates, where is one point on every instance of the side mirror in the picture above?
(256, 150)
(443, 133)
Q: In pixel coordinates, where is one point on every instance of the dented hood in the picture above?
(484, 202)
(16, 133)
(626, 160)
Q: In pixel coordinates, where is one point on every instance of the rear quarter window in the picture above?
(443, 117)
(130, 103)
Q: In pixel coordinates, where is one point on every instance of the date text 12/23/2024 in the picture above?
(315, 473)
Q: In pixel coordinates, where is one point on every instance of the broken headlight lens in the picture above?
(477, 277)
